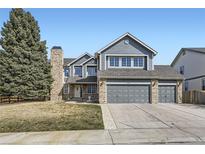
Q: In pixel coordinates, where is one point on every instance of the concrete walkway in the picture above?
(129, 124)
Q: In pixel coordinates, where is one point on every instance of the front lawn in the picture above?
(47, 116)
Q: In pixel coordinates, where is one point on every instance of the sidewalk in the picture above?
(117, 136)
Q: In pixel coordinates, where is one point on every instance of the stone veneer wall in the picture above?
(154, 92)
(102, 91)
(179, 92)
(57, 74)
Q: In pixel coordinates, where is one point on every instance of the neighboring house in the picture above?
(190, 63)
(121, 72)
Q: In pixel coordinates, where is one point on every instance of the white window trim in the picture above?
(107, 62)
(100, 67)
(114, 62)
(74, 70)
(139, 66)
(167, 84)
(128, 83)
(68, 72)
(86, 69)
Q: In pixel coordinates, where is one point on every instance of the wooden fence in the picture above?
(10, 99)
(194, 97)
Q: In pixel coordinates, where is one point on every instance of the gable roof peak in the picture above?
(86, 53)
(192, 49)
(133, 37)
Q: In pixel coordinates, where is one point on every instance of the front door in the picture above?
(77, 90)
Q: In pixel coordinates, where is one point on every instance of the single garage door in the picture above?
(167, 94)
(128, 93)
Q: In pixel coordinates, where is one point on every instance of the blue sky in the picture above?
(88, 30)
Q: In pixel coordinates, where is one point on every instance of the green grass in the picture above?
(47, 116)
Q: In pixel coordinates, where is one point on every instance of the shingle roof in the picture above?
(89, 79)
(160, 72)
(66, 61)
(196, 49)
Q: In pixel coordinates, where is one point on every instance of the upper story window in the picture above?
(78, 71)
(181, 70)
(66, 72)
(186, 86)
(91, 70)
(114, 61)
(92, 89)
(139, 61)
(203, 84)
(126, 61)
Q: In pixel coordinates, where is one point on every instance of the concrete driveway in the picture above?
(158, 123)
(129, 124)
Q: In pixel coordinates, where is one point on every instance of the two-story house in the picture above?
(121, 72)
(190, 63)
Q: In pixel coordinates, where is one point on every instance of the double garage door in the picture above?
(128, 93)
(139, 94)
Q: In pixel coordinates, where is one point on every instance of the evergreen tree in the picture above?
(24, 67)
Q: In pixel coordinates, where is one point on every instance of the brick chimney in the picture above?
(57, 73)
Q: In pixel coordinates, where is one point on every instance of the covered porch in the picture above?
(81, 90)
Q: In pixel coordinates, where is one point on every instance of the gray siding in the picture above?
(81, 60)
(92, 61)
(193, 63)
(78, 62)
(132, 48)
